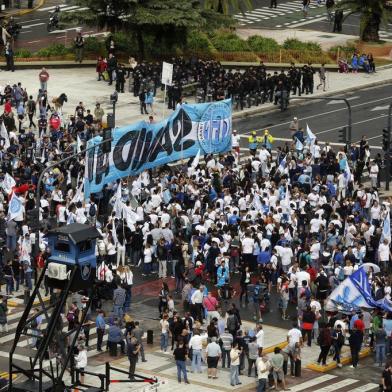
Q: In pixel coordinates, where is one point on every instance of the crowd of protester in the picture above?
(291, 222)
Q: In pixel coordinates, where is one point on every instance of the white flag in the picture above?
(78, 144)
(15, 207)
(78, 195)
(311, 136)
(8, 183)
(118, 204)
(196, 160)
(4, 135)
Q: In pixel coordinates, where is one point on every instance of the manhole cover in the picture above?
(326, 36)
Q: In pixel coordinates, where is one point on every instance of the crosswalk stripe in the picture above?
(269, 11)
(51, 8)
(261, 15)
(306, 22)
(72, 7)
(293, 7)
(33, 25)
(264, 13)
(365, 388)
(340, 384)
(311, 383)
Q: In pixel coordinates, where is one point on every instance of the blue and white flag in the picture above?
(282, 165)
(386, 229)
(349, 296)
(298, 145)
(311, 137)
(15, 207)
(347, 173)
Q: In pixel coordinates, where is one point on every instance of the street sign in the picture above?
(167, 74)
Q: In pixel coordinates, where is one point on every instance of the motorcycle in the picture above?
(53, 23)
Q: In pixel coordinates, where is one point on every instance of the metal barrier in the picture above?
(151, 381)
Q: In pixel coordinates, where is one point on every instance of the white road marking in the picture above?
(324, 113)
(306, 22)
(311, 383)
(51, 8)
(25, 32)
(354, 123)
(34, 25)
(340, 384)
(31, 20)
(365, 388)
(379, 108)
(341, 102)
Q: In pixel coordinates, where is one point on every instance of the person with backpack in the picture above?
(232, 323)
(337, 342)
(31, 110)
(92, 213)
(325, 341)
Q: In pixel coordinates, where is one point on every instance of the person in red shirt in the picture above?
(359, 324)
(8, 107)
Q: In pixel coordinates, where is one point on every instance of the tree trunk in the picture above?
(371, 27)
(140, 44)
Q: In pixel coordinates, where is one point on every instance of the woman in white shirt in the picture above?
(111, 251)
(375, 213)
(147, 262)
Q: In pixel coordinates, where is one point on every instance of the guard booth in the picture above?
(72, 246)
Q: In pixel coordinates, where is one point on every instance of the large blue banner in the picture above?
(202, 127)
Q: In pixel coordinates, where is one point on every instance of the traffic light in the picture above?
(386, 140)
(107, 135)
(342, 138)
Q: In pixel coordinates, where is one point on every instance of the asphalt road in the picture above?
(288, 14)
(34, 34)
(369, 117)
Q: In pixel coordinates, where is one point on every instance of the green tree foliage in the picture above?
(373, 14)
(168, 21)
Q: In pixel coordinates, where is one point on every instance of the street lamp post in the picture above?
(388, 159)
(349, 129)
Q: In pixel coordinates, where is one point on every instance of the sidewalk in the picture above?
(19, 8)
(80, 84)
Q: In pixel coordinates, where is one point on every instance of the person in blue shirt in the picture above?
(234, 219)
(21, 114)
(222, 274)
(100, 323)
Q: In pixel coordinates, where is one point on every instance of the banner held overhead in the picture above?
(206, 127)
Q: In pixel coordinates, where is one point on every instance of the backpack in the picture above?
(232, 323)
(70, 317)
(307, 293)
(256, 293)
(93, 210)
(341, 274)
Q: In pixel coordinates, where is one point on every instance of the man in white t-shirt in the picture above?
(294, 336)
(248, 245)
(384, 253)
(286, 255)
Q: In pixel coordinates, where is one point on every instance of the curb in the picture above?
(299, 102)
(346, 360)
(27, 11)
(13, 304)
(269, 350)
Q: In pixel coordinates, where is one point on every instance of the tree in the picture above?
(372, 14)
(227, 6)
(167, 21)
